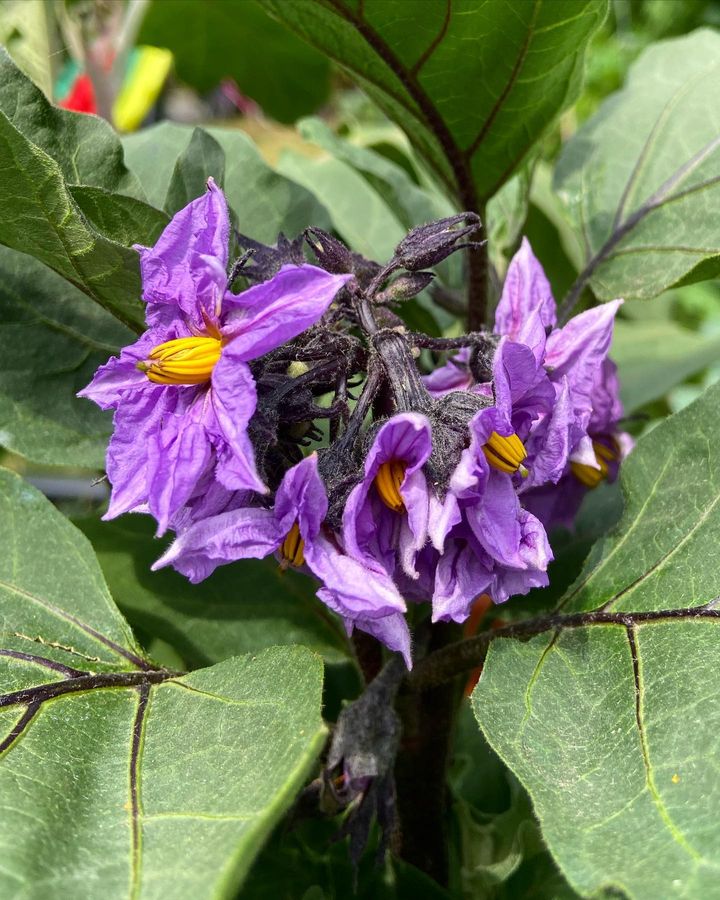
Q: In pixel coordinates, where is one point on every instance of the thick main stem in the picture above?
(478, 287)
(421, 769)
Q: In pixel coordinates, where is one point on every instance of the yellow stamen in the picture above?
(589, 475)
(388, 481)
(187, 360)
(292, 548)
(506, 453)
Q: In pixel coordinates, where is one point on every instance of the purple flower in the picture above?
(360, 591)
(595, 459)
(183, 394)
(487, 541)
(545, 379)
(386, 516)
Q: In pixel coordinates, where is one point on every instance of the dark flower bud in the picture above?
(404, 287)
(332, 255)
(430, 244)
(267, 261)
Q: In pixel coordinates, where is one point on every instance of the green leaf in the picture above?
(129, 776)
(26, 30)
(655, 356)
(121, 219)
(473, 85)
(240, 608)
(52, 339)
(265, 201)
(411, 204)
(642, 177)
(610, 718)
(86, 148)
(202, 158)
(359, 214)
(217, 39)
(39, 216)
(408, 203)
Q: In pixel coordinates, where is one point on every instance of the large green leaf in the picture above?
(655, 356)
(610, 718)
(472, 84)
(642, 177)
(217, 39)
(136, 782)
(240, 608)
(52, 339)
(26, 30)
(122, 219)
(265, 202)
(360, 214)
(86, 148)
(39, 216)
(201, 159)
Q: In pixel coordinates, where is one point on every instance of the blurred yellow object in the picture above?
(148, 70)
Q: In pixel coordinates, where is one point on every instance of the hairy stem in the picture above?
(445, 664)
(421, 769)
(478, 275)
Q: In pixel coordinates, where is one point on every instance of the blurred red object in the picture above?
(81, 97)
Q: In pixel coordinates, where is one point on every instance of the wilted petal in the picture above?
(460, 577)
(301, 497)
(549, 448)
(354, 587)
(246, 533)
(392, 631)
(134, 425)
(186, 269)
(606, 406)
(495, 521)
(285, 306)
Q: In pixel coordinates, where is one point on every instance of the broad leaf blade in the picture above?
(642, 177)
(52, 340)
(655, 356)
(136, 782)
(202, 158)
(122, 219)
(39, 216)
(240, 609)
(473, 85)
(86, 148)
(612, 726)
(234, 39)
(265, 202)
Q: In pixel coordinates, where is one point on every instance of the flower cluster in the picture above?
(431, 488)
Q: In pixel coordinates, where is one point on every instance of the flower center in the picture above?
(590, 476)
(188, 360)
(388, 480)
(292, 548)
(506, 453)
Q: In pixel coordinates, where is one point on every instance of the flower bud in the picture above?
(332, 255)
(429, 244)
(405, 287)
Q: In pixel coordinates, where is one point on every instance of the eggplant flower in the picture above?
(183, 394)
